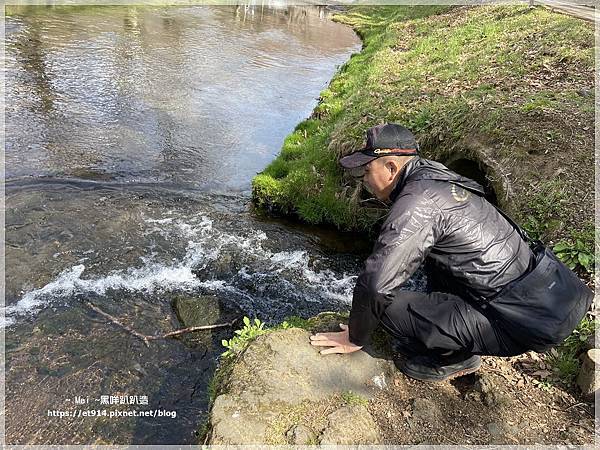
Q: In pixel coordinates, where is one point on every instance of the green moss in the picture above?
(350, 398)
(312, 415)
(322, 322)
(216, 386)
(298, 322)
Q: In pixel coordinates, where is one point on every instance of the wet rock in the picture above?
(300, 435)
(588, 379)
(224, 266)
(280, 371)
(203, 310)
(350, 425)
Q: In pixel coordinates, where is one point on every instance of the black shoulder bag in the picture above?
(543, 306)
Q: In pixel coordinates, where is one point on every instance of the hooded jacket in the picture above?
(435, 217)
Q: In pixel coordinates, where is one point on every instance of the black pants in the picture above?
(436, 323)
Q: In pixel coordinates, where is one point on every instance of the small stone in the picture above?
(350, 425)
(585, 92)
(379, 381)
(473, 396)
(139, 369)
(487, 385)
(588, 379)
(590, 343)
(494, 429)
(300, 435)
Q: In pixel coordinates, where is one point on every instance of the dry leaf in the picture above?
(542, 373)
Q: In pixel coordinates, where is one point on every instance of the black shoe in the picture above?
(439, 368)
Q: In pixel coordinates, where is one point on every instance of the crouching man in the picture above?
(495, 291)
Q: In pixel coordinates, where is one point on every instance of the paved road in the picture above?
(581, 9)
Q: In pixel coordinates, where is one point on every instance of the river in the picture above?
(132, 135)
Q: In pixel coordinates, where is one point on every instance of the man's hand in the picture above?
(339, 342)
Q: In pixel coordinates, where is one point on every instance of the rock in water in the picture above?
(204, 310)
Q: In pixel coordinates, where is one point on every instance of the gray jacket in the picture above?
(470, 245)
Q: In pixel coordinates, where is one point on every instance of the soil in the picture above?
(510, 401)
(505, 402)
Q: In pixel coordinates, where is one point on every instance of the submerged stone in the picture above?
(203, 310)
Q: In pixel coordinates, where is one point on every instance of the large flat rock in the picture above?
(282, 384)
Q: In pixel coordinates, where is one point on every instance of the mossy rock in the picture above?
(279, 374)
(322, 322)
(381, 342)
(204, 310)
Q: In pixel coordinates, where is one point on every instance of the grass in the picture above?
(350, 399)
(242, 337)
(505, 85)
(309, 414)
(565, 358)
(545, 214)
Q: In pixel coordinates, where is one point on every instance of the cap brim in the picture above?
(356, 159)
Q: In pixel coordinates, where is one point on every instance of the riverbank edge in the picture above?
(235, 367)
(515, 99)
(331, 133)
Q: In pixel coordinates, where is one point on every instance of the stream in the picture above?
(132, 135)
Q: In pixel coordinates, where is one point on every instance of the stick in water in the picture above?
(145, 338)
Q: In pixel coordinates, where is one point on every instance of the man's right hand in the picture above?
(339, 342)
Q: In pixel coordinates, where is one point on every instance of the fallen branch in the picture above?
(145, 338)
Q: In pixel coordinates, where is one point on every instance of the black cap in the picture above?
(383, 140)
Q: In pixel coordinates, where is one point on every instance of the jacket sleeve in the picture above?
(404, 242)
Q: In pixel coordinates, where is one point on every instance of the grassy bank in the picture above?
(508, 87)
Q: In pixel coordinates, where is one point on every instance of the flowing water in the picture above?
(132, 135)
